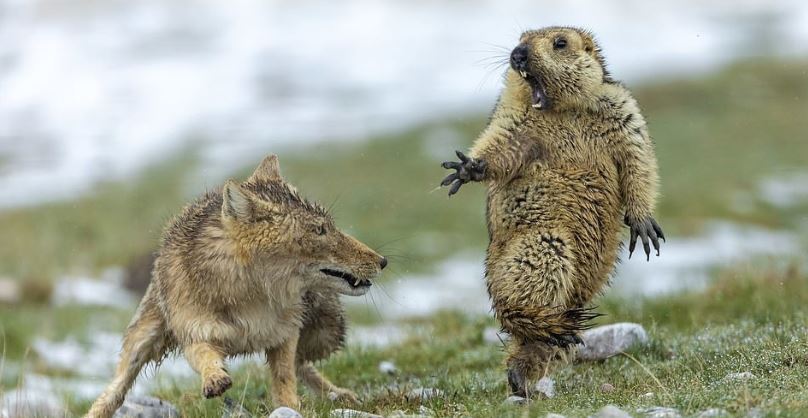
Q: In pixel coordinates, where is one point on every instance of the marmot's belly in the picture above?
(578, 208)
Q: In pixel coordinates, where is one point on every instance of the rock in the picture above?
(610, 340)
(738, 377)
(611, 411)
(493, 335)
(9, 291)
(350, 413)
(712, 412)
(31, 402)
(428, 412)
(423, 394)
(388, 368)
(660, 412)
(755, 413)
(146, 407)
(554, 415)
(545, 386)
(606, 388)
(233, 409)
(649, 395)
(401, 414)
(515, 400)
(286, 412)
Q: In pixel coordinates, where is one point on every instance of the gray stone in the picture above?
(660, 412)
(606, 388)
(546, 387)
(428, 412)
(146, 407)
(554, 415)
(401, 414)
(350, 413)
(610, 340)
(284, 412)
(515, 400)
(388, 368)
(647, 396)
(611, 411)
(712, 413)
(424, 394)
(9, 291)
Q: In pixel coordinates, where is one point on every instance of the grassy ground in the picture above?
(717, 138)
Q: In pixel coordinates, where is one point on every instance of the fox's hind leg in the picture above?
(144, 341)
(208, 361)
(323, 333)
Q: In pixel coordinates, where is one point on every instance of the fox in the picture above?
(251, 268)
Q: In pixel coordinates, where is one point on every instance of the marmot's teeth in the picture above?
(523, 73)
(537, 105)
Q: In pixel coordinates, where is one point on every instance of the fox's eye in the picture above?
(559, 43)
(320, 230)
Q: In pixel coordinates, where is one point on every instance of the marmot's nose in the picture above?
(519, 56)
(383, 263)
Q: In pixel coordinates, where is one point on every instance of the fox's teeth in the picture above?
(523, 73)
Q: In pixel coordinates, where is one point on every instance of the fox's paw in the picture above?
(343, 395)
(648, 230)
(517, 382)
(468, 169)
(216, 384)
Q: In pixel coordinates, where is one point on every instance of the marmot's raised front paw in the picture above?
(468, 169)
(646, 229)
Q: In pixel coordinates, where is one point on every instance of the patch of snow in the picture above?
(107, 290)
(99, 90)
(785, 191)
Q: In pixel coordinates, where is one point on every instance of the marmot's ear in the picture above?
(237, 203)
(268, 170)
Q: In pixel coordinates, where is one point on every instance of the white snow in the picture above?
(92, 90)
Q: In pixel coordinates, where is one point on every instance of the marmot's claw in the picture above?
(468, 169)
(649, 232)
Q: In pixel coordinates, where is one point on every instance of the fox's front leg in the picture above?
(281, 361)
(208, 361)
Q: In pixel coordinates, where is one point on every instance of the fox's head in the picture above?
(273, 224)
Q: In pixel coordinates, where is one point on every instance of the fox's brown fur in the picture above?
(253, 268)
(565, 167)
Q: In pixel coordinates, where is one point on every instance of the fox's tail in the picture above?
(554, 326)
(145, 341)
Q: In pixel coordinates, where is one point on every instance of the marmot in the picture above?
(567, 157)
(253, 268)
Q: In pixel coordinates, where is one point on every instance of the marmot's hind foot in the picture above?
(517, 382)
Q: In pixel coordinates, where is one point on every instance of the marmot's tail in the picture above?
(145, 341)
(555, 326)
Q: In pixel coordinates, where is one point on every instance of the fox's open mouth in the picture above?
(539, 99)
(348, 277)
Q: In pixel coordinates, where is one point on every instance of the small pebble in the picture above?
(350, 413)
(712, 413)
(610, 340)
(388, 368)
(515, 400)
(606, 388)
(233, 409)
(611, 411)
(738, 376)
(660, 412)
(546, 387)
(146, 407)
(285, 412)
(649, 395)
(554, 415)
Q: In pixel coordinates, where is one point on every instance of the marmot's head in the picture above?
(557, 65)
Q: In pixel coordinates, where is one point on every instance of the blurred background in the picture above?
(113, 114)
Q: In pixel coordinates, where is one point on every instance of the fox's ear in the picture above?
(268, 170)
(237, 203)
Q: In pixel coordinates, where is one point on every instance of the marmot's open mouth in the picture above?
(348, 277)
(539, 96)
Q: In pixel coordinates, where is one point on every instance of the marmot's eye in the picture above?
(320, 230)
(559, 43)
